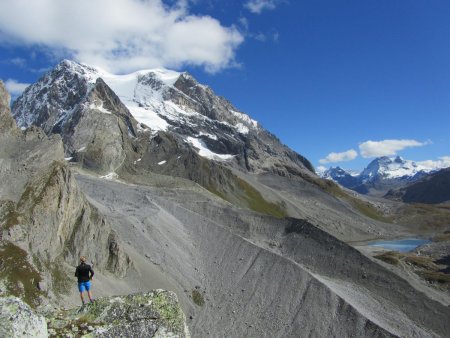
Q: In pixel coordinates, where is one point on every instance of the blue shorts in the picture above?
(84, 286)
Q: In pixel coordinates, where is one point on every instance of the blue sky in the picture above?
(338, 81)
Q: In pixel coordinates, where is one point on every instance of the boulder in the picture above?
(17, 319)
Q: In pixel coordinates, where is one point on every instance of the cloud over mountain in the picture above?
(122, 35)
(14, 87)
(387, 147)
(339, 157)
(257, 6)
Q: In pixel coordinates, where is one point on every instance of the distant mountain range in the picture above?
(432, 188)
(381, 175)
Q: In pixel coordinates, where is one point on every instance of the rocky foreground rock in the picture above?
(17, 319)
(141, 315)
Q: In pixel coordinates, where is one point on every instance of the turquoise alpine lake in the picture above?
(401, 245)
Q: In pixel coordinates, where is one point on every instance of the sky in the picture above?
(339, 81)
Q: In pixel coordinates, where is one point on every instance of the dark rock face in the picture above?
(45, 105)
(98, 133)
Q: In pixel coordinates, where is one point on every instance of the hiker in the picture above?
(84, 273)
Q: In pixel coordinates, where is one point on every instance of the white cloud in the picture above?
(339, 157)
(121, 35)
(442, 162)
(257, 6)
(19, 62)
(15, 88)
(243, 21)
(387, 147)
(259, 37)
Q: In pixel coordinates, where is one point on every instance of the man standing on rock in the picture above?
(84, 273)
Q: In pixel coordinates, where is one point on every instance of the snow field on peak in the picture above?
(205, 152)
(245, 118)
(211, 136)
(142, 101)
(147, 104)
(395, 169)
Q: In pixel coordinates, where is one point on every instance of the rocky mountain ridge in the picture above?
(159, 100)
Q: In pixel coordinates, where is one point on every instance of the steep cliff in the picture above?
(45, 219)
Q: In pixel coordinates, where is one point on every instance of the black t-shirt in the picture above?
(84, 272)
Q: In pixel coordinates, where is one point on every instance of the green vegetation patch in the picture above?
(9, 215)
(247, 195)
(18, 275)
(436, 277)
(429, 218)
(390, 257)
(445, 237)
(365, 208)
(60, 281)
(423, 266)
(35, 193)
(197, 297)
(257, 203)
(423, 262)
(170, 311)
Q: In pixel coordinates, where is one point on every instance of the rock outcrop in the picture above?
(100, 131)
(17, 319)
(149, 314)
(145, 315)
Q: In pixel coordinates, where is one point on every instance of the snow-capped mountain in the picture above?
(381, 175)
(91, 108)
(393, 168)
(342, 176)
(158, 98)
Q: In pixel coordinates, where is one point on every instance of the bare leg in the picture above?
(89, 295)
(82, 298)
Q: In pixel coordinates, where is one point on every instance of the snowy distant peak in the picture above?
(336, 173)
(390, 167)
(382, 173)
(333, 172)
